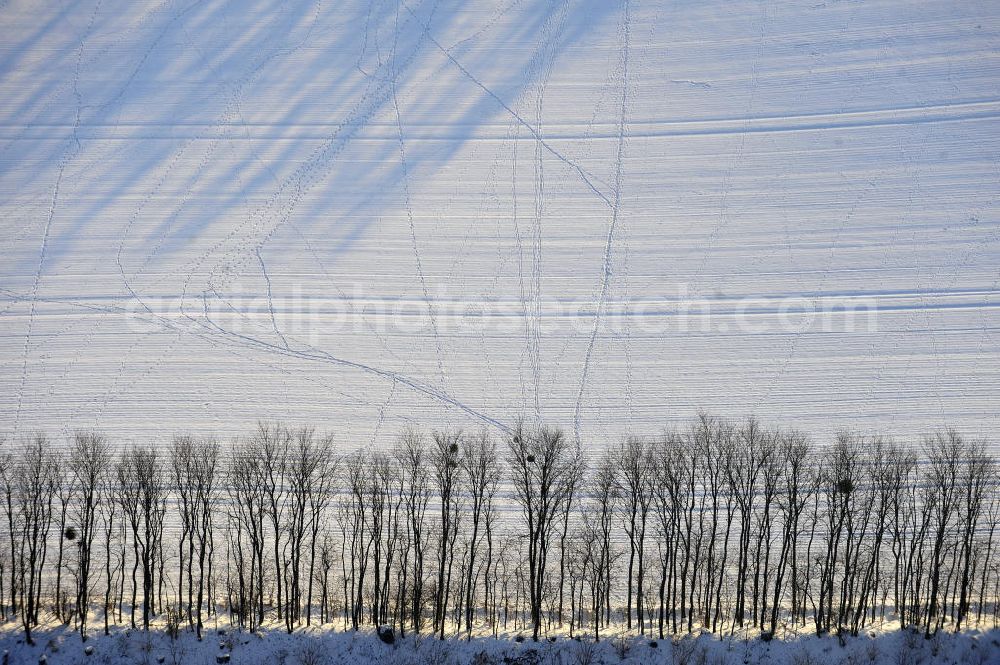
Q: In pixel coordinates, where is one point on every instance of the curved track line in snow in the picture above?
(428, 301)
(324, 356)
(533, 323)
(211, 332)
(534, 132)
(270, 298)
(34, 293)
(224, 123)
(63, 163)
(171, 325)
(266, 219)
(381, 413)
(609, 242)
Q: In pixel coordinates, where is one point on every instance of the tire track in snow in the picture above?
(914, 189)
(540, 67)
(223, 127)
(121, 92)
(196, 328)
(372, 330)
(117, 385)
(491, 209)
(536, 274)
(283, 370)
(309, 352)
(904, 116)
(971, 249)
(609, 242)
(55, 95)
(536, 259)
(149, 51)
(369, 328)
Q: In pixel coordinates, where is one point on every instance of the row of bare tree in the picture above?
(725, 526)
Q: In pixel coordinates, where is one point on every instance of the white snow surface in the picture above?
(321, 646)
(208, 208)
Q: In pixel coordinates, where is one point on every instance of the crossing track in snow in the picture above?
(600, 215)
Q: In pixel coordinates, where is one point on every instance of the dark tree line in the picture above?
(727, 526)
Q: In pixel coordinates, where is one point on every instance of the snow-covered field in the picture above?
(599, 214)
(323, 647)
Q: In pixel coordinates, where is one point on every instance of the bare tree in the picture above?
(749, 459)
(545, 467)
(634, 477)
(668, 501)
(847, 481)
(182, 467)
(444, 460)
(140, 477)
(599, 519)
(770, 473)
(413, 455)
(321, 492)
(308, 487)
(377, 489)
(944, 452)
(206, 495)
(270, 444)
(110, 528)
(354, 517)
(8, 477)
(35, 479)
(90, 462)
(881, 494)
(713, 437)
(798, 484)
(482, 477)
(65, 488)
(902, 526)
(976, 470)
(247, 511)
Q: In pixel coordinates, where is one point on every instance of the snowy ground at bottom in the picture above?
(325, 646)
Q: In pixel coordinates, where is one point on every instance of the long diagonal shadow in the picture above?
(147, 161)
